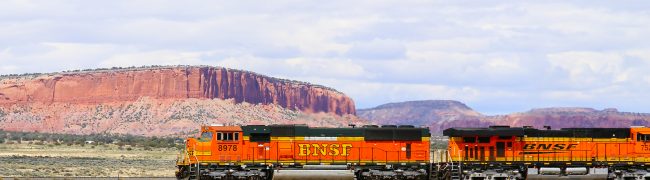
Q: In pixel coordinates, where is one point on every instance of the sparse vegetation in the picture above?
(102, 161)
(94, 139)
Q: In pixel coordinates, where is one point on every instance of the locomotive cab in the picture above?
(216, 144)
(641, 137)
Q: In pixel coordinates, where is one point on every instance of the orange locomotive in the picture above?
(518, 153)
(252, 152)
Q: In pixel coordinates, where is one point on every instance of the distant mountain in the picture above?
(442, 114)
(432, 113)
(573, 117)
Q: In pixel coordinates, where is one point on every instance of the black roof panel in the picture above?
(531, 132)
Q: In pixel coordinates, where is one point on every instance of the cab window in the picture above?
(642, 137)
(206, 136)
(228, 136)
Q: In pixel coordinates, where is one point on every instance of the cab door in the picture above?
(259, 147)
(641, 142)
(229, 146)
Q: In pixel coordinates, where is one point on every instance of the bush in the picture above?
(129, 148)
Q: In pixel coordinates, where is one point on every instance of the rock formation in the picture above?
(172, 83)
(147, 100)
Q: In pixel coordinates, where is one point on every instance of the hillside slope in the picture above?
(435, 114)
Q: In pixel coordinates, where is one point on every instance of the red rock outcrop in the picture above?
(164, 101)
(172, 83)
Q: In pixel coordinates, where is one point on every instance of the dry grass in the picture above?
(29, 160)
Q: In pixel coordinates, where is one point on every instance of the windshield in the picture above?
(206, 136)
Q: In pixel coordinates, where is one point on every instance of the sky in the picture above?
(495, 56)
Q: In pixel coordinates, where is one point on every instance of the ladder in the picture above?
(454, 168)
(194, 174)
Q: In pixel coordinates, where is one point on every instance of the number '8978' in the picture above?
(227, 148)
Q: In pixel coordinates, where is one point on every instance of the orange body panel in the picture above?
(303, 150)
(634, 149)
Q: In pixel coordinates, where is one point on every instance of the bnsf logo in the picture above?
(549, 146)
(324, 149)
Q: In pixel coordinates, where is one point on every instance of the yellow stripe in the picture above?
(202, 153)
(310, 162)
(455, 138)
(288, 138)
(350, 139)
(300, 138)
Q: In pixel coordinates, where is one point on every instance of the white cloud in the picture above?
(498, 56)
(299, 67)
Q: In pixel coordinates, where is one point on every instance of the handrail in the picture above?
(198, 166)
(452, 162)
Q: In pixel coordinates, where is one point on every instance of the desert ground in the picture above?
(49, 160)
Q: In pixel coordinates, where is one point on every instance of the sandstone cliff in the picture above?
(172, 83)
(163, 101)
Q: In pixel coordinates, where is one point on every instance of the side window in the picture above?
(228, 136)
(642, 137)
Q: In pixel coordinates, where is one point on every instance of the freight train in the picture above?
(403, 152)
